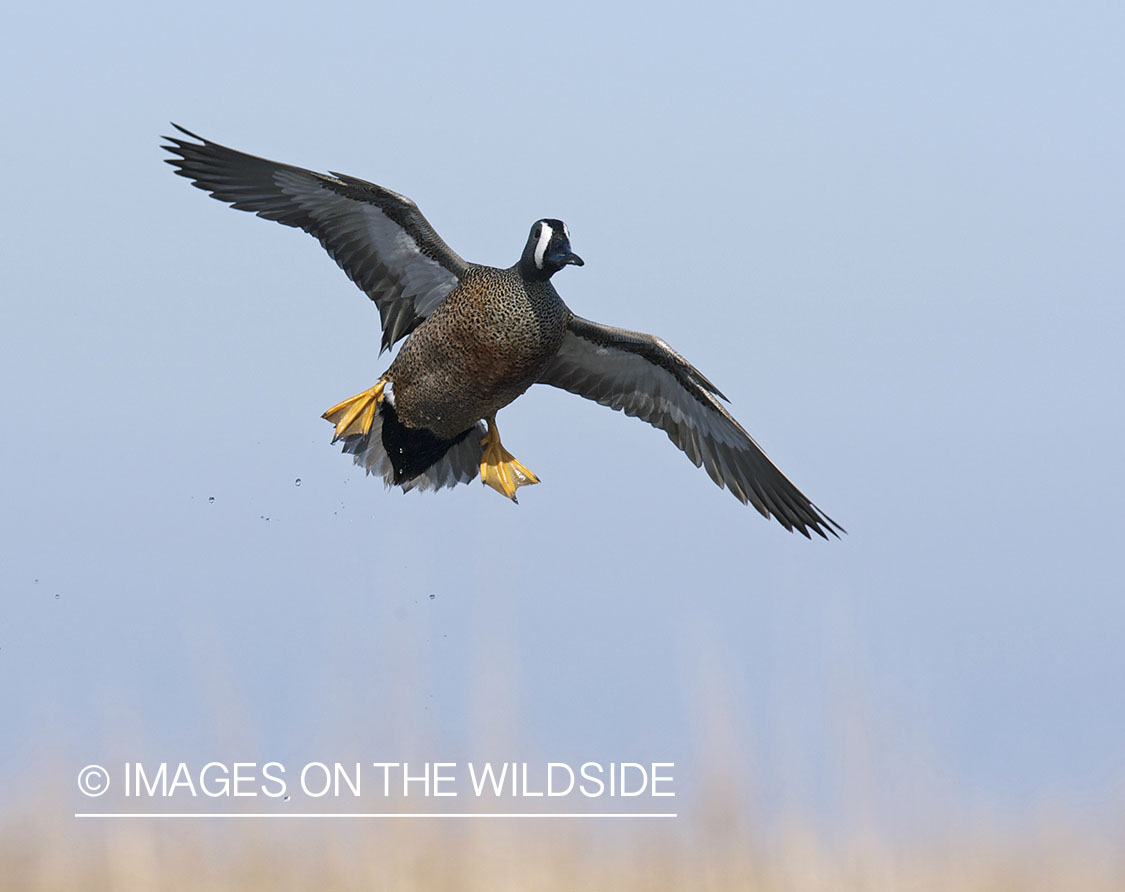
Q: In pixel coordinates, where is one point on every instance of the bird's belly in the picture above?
(449, 382)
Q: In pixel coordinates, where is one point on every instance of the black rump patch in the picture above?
(412, 450)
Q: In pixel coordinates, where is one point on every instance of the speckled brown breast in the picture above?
(486, 343)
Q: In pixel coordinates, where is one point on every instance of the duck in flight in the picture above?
(477, 337)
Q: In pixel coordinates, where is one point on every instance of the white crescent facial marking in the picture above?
(545, 234)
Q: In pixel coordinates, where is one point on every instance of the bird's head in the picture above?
(547, 250)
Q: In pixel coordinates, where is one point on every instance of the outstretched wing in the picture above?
(644, 377)
(379, 238)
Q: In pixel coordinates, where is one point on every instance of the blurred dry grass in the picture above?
(715, 851)
(718, 843)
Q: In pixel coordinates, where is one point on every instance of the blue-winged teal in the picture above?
(478, 337)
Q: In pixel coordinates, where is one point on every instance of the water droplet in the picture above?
(211, 501)
(432, 597)
(297, 482)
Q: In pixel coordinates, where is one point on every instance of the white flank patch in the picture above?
(545, 234)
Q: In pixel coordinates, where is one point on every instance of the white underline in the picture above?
(115, 814)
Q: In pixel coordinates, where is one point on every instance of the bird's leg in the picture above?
(498, 468)
(356, 414)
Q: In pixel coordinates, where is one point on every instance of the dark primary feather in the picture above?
(378, 237)
(644, 377)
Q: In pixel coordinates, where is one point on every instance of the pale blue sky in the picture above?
(891, 234)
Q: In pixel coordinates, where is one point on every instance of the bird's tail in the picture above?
(413, 458)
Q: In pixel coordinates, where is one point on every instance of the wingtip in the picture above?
(185, 131)
(828, 524)
(178, 144)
